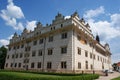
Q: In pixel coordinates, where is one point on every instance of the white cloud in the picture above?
(106, 29)
(93, 13)
(67, 17)
(13, 10)
(11, 14)
(4, 42)
(10, 37)
(20, 26)
(30, 25)
(115, 18)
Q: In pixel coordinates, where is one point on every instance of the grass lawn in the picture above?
(118, 78)
(11, 75)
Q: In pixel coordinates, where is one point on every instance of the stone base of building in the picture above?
(59, 71)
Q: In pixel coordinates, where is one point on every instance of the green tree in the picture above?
(114, 66)
(3, 52)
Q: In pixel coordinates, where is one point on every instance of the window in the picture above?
(50, 51)
(17, 47)
(39, 65)
(94, 56)
(78, 37)
(40, 53)
(61, 25)
(64, 35)
(19, 65)
(54, 27)
(14, 47)
(50, 38)
(32, 65)
(86, 54)
(11, 65)
(63, 50)
(41, 41)
(98, 58)
(91, 66)
(85, 41)
(49, 65)
(9, 48)
(79, 51)
(35, 42)
(33, 53)
(7, 56)
(86, 63)
(90, 44)
(13, 56)
(79, 65)
(91, 55)
(101, 59)
(26, 61)
(16, 55)
(27, 48)
(51, 28)
(15, 65)
(64, 65)
(22, 45)
(21, 55)
(26, 55)
(6, 65)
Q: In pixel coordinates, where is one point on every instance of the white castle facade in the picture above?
(66, 45)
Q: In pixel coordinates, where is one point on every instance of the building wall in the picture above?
(55, 58)
(96, 63)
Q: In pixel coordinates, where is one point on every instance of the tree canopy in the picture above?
(3, 52)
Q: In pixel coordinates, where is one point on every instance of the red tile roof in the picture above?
(118, 64)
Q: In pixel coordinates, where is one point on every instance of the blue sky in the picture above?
(102, 15)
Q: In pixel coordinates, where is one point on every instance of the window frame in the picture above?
(63, 65)
(64, 50)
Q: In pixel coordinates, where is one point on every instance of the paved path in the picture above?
(110, 76)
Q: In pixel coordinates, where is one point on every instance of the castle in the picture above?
(66, 45)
